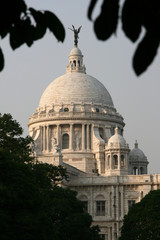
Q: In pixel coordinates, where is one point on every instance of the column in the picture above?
(71, 137)
(87, 136)
(92, 130)
(122, 202)
(57, 134)
(91, 201)
(117, 201)
(47, 138)
(83, 137)
(109, 233)
(111, 160)
(109, 203)
(119, 161)
(126, 161)
(41, 138)
(44, 136)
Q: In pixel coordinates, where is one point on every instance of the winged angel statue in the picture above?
(76, 31)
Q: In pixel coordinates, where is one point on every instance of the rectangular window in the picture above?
(130, 203)
(100, 208)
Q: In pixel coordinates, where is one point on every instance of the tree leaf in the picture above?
(1, 60)
(16, 37)
(40, 28)
(132, 18)
(22, 32)
(17, 8)
(106, 23)
(152, 17)
(90, 8)
(145, 53)
(55, 26)
(10, 13)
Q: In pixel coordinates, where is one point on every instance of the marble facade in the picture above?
(77, 125)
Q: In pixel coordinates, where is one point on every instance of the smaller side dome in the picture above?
(137, 155)
(117, 140)
(137, 161)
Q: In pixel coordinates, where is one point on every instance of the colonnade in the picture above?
(84, 136)
(115, 160)
(138, 170)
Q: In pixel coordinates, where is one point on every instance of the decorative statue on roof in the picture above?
(76, 31)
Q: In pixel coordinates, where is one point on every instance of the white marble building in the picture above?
(77, 125)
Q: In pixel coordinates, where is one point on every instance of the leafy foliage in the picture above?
(106, 23)
(26, 25)
(68, 217)
(32, 205)
(48, 175)
(22, 214)
(143, 219)
(11, 140)
(135, 15)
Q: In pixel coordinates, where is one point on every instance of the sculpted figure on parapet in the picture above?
(54, 145)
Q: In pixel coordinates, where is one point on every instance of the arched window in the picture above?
(141, 170)
(74, 62)
(108, 161)
(135, 171)
(122, 161)
(101, 133)
(115, 161)
(65, 141)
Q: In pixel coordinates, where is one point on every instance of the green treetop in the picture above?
(143, 219)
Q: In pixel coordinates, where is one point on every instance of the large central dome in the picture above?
(75, 87)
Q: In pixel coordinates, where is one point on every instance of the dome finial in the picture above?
(136, 144)
(76, 31)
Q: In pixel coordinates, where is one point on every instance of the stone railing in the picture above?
(125, 179)
(65, 115)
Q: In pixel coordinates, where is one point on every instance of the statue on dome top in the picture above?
(76, 31)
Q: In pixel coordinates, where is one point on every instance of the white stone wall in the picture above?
(116, 191)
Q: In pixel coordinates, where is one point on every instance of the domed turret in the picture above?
(117, 140)
(76, 61)
(137, 161)
(116, 153)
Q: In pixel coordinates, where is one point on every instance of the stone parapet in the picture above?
(117, 180)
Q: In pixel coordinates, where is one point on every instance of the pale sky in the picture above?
(28, 71)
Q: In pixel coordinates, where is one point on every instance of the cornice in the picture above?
(49, 119)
